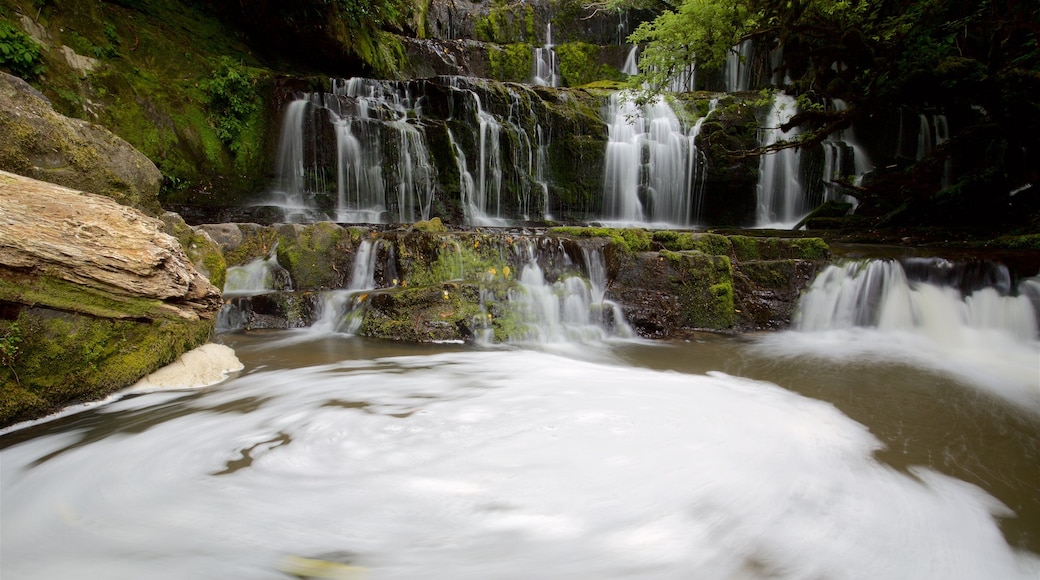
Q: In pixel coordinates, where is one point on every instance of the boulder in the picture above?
(93, 296)
(43, 144)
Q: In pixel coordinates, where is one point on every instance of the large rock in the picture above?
(93, 296)
(43, 144)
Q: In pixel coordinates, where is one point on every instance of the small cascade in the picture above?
(698, 162)
(844, 159)
(932, 297)
(631, 67)
(508, 151)
(650, 164)
(546, 67)
(260, 276)
(963, 319)
(570, 309)
(339, 311)
(738, 69)
(781, 199)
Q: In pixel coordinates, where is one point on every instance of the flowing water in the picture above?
(886, 443)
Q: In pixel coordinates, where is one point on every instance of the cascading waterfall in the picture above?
(389, 107)
(258, 277)
(964, 319)
(844, 158)
(380, 150)
(631, 67)
(570, 309)
(339, 310)
(298, 173)
(650, 165)
(546, 67)
(780, 194)
(698, 163)
(738, 69)
(506, 156)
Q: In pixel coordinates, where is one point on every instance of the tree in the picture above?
(978, 61)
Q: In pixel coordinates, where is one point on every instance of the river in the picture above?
(759, 456)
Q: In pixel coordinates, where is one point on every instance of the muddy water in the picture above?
(724, 457)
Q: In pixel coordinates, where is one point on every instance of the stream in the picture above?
(758, 456)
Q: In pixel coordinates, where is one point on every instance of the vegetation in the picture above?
(976, 62)
(19, 54)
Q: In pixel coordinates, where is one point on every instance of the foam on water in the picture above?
(501, 464)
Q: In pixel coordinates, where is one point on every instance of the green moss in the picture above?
(316, 256)
(436, 258)
(579, 65)
(712, 244)
(704, 287)
(65, 296)
(203, 252)
(758, 248)
(438, 312)
(69, 358)
(1023, 242)
(256, 243)
(810, 249)
(432, 225)
(511, 63)
(628, 239)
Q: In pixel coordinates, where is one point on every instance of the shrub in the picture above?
(19, 53)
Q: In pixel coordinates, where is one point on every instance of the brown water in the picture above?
(627, 459)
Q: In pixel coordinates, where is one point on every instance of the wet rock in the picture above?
(94, 296)
(45, 145)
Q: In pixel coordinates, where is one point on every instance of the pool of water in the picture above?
(717, 458)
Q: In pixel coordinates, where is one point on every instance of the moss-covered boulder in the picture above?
(92, 298)
(45, 145)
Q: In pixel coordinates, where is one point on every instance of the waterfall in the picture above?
(546, 67)
(844, 159)
(390, 108)
(571, 308)
(780, 193)
(738, 69)
(631, 67)
(930, 297)
(298, 175)
(339, 311)
(259, 276)
(506, 155)
(698, 161)
(650, 164)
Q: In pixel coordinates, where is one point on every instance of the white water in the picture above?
(571, 309)
(546, 67)
(292, 165)
(475, 465)
(780, 191)
(650, 166)
(631, 67)
(986, 337)
(738, 69)
(340, 311)
(259, 276)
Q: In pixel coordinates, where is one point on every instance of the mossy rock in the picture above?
(445, 312)
(63, 358)
(317, 257)
(203, 251)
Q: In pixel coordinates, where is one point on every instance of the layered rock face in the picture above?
(93, 296)
(46, 145)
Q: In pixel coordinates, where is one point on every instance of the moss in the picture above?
(316, 256)
(67, 358)
(1023, 242)
(256, 243)
(704, 287)
(628, 239)
(439, 312)
(759, 248)
(436, 258)
(810, 249)
(712, 244)
(204, 253)
(511, 63)
(431, 225)
(65, 296)
(579, 65)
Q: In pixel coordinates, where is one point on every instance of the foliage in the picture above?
(10, 347)
(578, 65)
(978, 62)
(512, 62)
(232, 100)
(19, 53)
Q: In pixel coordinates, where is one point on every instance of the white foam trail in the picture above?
(502, 464)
